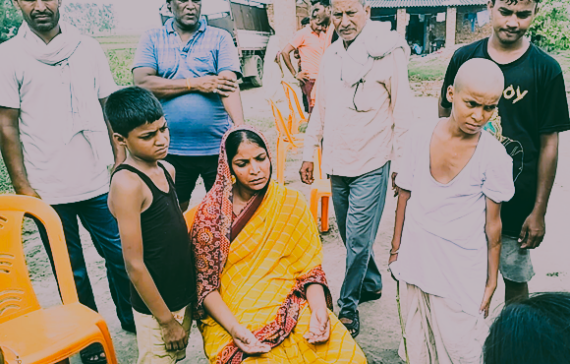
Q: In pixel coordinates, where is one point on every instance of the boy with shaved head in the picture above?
(447, 237)
(533, 110)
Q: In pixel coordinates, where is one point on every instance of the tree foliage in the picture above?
(10, 20)
(551, 28)
(90, 18)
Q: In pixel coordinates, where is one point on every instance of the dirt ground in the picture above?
(380, 333)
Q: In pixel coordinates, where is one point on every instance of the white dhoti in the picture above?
(439, 332)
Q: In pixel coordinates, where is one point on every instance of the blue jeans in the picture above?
(102, 226)
(358, 205)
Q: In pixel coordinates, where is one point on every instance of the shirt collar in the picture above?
(169, 25)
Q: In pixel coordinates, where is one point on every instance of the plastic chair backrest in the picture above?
(189, 217)
(280, 124)
(317, 159)
(293, 121)
(17, 296)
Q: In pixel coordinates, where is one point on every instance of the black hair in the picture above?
(324, 3)
(130, 108)
(530, 331)
(305, 21)
(236, 138)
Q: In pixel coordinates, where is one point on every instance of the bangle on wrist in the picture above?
(188, 84)
(394, 252)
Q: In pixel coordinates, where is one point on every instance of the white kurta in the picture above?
(444, 245)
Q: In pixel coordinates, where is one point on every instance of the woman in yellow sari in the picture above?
(262, 294)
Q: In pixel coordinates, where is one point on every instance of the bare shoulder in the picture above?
(169, 167)
(126, 191)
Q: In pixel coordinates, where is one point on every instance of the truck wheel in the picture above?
(257, 80)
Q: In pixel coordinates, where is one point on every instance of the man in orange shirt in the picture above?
(311, 43)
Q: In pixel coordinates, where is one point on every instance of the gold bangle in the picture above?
(188, 84)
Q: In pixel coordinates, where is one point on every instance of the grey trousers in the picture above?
(358, 205)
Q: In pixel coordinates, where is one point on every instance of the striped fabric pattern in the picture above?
(278, 246)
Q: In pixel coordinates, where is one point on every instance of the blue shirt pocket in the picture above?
(201, 63)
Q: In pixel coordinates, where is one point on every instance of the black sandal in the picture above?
(354, 326)
(370, 296)
(93, 354)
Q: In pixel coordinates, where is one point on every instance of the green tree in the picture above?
(10, 20)
(551, 28)
(90, 18)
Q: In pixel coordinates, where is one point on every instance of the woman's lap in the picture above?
(340, 348)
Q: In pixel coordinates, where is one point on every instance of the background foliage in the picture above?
(120, 62)
(90, 18)
(10, 20)
(551, 28)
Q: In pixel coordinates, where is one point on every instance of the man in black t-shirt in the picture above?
(533, 110)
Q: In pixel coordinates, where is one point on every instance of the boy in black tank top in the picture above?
(156, 244)
(532, 112)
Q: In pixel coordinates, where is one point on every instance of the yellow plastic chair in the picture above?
(28, 333)
(285, 142)
(320, 191)
(295, 118)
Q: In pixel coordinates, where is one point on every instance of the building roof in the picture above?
(422, 3)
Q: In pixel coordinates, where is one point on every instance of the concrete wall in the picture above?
(283, 18)
(450, 21)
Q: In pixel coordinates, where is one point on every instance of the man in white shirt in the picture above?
(447, 236)
(361, 114)
(55, 140)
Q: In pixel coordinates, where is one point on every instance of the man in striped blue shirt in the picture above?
(192, 69)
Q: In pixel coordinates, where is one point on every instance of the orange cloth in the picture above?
(311, 49)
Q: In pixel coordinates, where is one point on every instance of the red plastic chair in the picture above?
(30, 334)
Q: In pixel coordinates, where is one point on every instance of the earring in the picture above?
(233, 180)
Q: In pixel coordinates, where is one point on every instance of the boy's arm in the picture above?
(493, 229)
(403, 198)
(127, 199)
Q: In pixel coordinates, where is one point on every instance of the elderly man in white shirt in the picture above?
(361, 115)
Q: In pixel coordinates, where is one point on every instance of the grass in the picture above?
(5, 183)
(121, 61)
(432, 70)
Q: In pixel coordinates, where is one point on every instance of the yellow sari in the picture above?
(268, 265)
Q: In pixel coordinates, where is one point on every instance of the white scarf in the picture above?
(59, 53)
(376, 41)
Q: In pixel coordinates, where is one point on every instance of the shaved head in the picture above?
(481, 76)
(475, 95)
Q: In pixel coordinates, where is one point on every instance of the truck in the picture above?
(248, 23)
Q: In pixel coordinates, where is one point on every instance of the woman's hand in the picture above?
(247, 342)
(319, 326)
